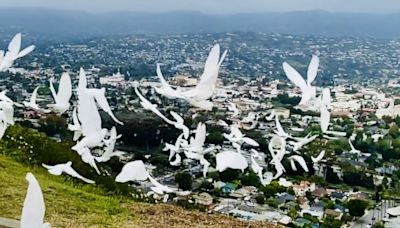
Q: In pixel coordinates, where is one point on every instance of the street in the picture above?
(373, 215)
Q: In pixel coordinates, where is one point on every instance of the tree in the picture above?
(394, 131)
(271, 189)
(291, 191)
(357, 207)
(260, 199)
(292, 213)
(329, 204)
(206, 186)
(330, 222)
(311, 218)
(250, 179)
(215, 137)
(331, 176)
(309, 196)
(285, 99)
(378, 225)
(272, 202)
(357, 178)
(53, 125)
(229, 175)
(184, 181)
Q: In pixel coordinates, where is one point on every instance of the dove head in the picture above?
(69, 163)
(29, 177)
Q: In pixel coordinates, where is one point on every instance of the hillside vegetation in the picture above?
(72, 204)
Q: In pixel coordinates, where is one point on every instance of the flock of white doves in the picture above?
(89, 134)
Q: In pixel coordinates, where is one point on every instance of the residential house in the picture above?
(319, 192)
(303, 187)
(285, 197)
(301, 222)
(336, 214)
(229, 187)
(203, 199)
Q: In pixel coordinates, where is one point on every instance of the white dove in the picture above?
(147, 105)
(177, 161)
(324, 119)
(87, 157)
(319, 157)
(205, 164)
(66, 168)
(34, 208)
(173, 149)
(76, 126)
(271, 116)
(179, 124)
(222, 123)
(82, 83)
(230, 159)
(14, 52)
(236, 136)
(100, 97)
(197, 143)
(110, 145)
(159, 188)
(63, 96)
(166, 89)
(279, 129)
(32, 102)
(203, 91)
(298, 159)
(206, 86)
(302, 142)
(132, 171)
(308, 91)
(90, 120)
(278, 156)
(256, 168)
(353, 149)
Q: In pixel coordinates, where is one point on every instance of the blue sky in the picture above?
(212, 6)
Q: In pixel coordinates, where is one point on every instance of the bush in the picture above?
(184, 181)
(272, 202)
(205, 186)
(260, 199)
(357, 207)
(250, 179)
(271, 189)
(229, 175)
(330, 222)
(34, 148)
(215, 137)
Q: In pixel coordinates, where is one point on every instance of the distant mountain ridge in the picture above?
(68, 24)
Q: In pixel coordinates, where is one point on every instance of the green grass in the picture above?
(67, 204)
(71, 203)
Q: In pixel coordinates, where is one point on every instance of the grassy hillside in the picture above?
(74, 205)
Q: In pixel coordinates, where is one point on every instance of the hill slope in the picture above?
(76, 25)
(72, 205)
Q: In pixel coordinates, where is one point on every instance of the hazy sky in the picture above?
(212, 6)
